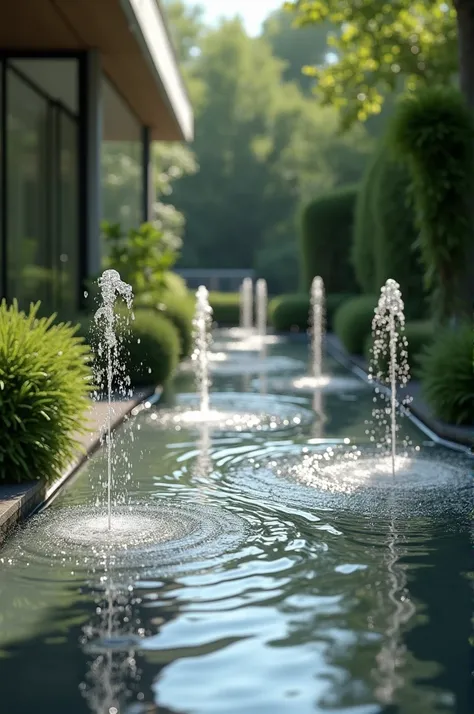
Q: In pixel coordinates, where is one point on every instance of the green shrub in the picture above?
(326, 237)
(433, 130)
(447, 375)
(363, 238)
(289, 313)
(353, 322)
(150, 347)
(44, 383)
(225, 307)
(396, 253)
(419, 335)
(179, 310)
(385, 237)
(175, 285)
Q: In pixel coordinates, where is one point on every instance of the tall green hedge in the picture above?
(363, 240)
(433, 130)
(385, 237)
(326, 235)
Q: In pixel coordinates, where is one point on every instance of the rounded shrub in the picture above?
(225, 308)
(353, 322)
(179, 310)
(447, 375)
(419, 335)
(44, 385)
(290, 313)
(433, 130)
(174, 284)
(326, 237)
(150, 347)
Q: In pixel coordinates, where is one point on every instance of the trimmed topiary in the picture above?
(419, 335)
(290, 313)
(363, 240)
(326, 237)
(447, 375)
(44, 384)
(353, 322)
(179, 310)
(385, 237)
(150, 347)
(397, 254)
(225, 308)
(433, 130)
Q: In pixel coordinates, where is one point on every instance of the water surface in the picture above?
(251, 595)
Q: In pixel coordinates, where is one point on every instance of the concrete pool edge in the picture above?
(18, 501)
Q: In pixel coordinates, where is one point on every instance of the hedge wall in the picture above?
(385, 237)
(326, 236)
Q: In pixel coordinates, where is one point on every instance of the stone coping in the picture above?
(17, 501)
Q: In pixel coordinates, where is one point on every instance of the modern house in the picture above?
(85, 87)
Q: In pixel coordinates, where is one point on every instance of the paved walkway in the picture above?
(18, 500)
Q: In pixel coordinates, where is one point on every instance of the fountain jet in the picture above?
(202, 345)
(246, 304)
(317, 325)
(111, 286)
(261, 294)
(389, 363)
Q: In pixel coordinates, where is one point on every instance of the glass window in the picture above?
(42, 195)
(57, 78)
(29, 249)
(66, 250)
(122, 158)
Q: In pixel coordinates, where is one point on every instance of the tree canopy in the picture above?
(381, 46)
(263, 146)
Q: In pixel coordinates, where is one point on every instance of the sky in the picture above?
(253, 12)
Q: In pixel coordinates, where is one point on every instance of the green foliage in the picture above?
(353, 322)
(44, 383)
(225, 308)
(279, 263)
(447, 375)
(296, 46)
(385, 238)
(151, 347)
(179, 310)
(174, 284)
(363, 239)
(419, 335)
(433, 131)
(262, 147)
(290, 313)
(380, 45)
(326, 235)
(397, 254)
(142, 255)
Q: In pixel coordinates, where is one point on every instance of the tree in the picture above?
(384, 44)
(262, 147)
(296, 47)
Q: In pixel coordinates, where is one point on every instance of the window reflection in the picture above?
(29, 259)
(122, 156)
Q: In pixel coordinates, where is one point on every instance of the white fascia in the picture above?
(146, 19)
